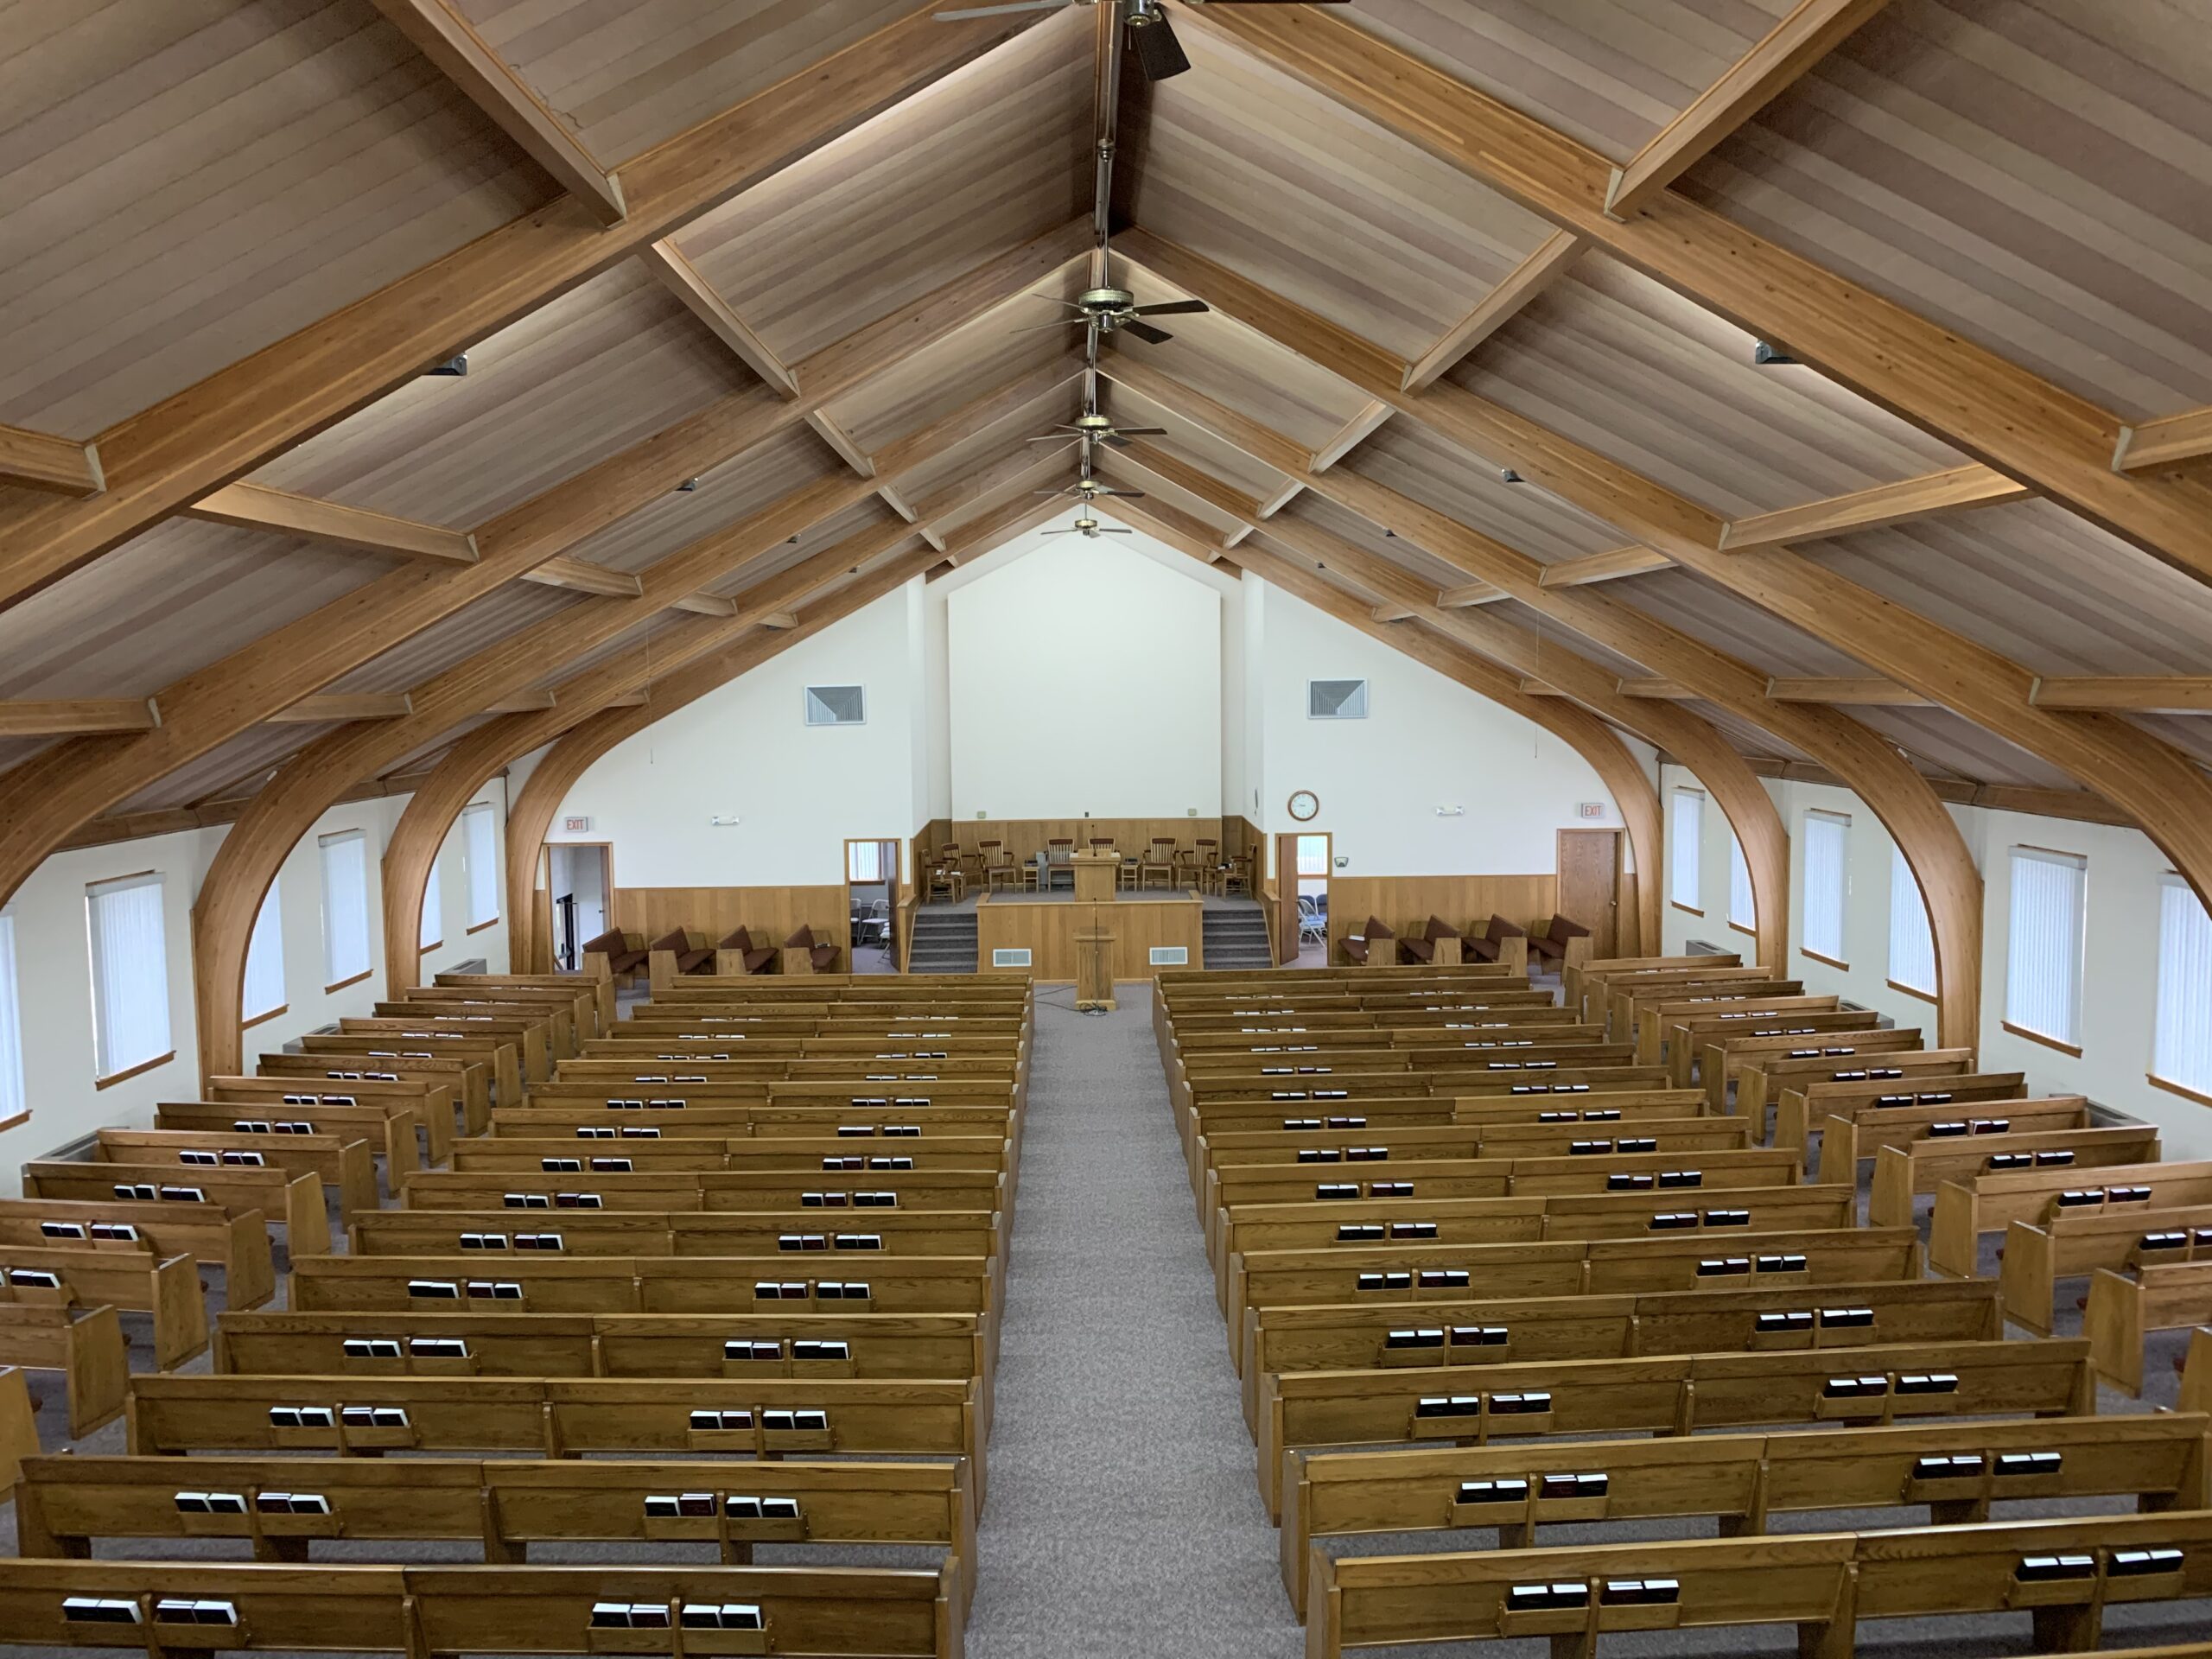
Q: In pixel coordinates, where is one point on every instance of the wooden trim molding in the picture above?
(16, 1121)
(1689, 910)
(1831, 961)
(1903, 989)
(479, 926)
(137, 1071)
(2038, 1037)
(2153, 1078)
(278, 1011)
(425, 949)
(342, 984)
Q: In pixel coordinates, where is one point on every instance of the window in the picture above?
(864, 860)
(2181, 1052)
(481, 831)
(130, 973)
(1685, 841)
(345, 907)
(2042, 959)
(12, 1025)
(264, 959)
(1336, 699)
(1912, 947)
(1827, 881)
(434, 906)
(837, 705)
(1742, 907)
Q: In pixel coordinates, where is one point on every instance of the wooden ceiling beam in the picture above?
(1848, 693)
(282, 513)
(1604, 567)
(1769, 69)
(2171, 442)
(38, 461)
(313, 711)
(162, 460)
(2145, 694)
(1355, 432)
(706, 605)
(701, 298)
(1952, 490)
(1468, 593)
(582, 576)
(486, 80)
(1658, 691)
(78, 717)
(520, 703)
(1998, 411)
(842, 441)
(1553, 259)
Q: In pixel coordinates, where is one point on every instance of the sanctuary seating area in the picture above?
(1487, 1262)
(728, 1272)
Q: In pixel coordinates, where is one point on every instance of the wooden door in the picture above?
(1285, 900)
(1589, 884)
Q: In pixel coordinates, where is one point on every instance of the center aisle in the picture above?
(1123, 1516)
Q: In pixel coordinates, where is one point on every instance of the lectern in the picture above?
(1095, 875)
(1094, 964)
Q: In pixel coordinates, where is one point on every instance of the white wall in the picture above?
(745, 752)
(1427, 742)
(55, 962)
(2120, 952)
(1085, 678)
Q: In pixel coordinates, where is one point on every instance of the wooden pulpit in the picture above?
(1095, 875)
(1094, 965)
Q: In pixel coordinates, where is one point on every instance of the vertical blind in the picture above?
(264, 958)
(2181, 1045)
(1827, 852)
(434, 906)
(11, 1024)
(130, 973)
(1685, 838)
(1743, 909)
(1912, 947)
(2042, 959)
(482, 852)
(345, 907)
(864, 860)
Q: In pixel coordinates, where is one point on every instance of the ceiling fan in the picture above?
(1160, 54)
(1097, 428)
(1116, 310)
(1089, 489)
(1086, 525)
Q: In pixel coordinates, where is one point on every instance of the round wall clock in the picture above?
(1305, 806)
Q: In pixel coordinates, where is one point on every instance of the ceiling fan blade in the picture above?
(963, 14)
(1064, 323)
(1146, 332)
(1142, 431)
(1116, 440)
(1112, 530)
(1171, 308)
(1134, 495)
(1160, 54)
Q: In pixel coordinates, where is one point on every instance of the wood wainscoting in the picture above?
(1405, 902)
(774, 914)
(1047, 931)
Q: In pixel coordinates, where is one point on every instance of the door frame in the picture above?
(891, 881)
(1559, 866)
(1287, 880)
(606, 877)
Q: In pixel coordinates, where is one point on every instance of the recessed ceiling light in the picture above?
(1766, 356)
(1510, 476)
(687, 485)
(454, 367)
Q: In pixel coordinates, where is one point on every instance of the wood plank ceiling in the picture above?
(185, 183)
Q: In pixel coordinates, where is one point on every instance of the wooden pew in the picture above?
(873, 1345)
(724, 1189)
(18, 1430)
(552, 1112)
(515, 1051)
(574, 1005)
(673, 1149)
(390, 1133)
(1902, 1172)
(426, 1610)
(236, 1240)
(1411, 1274)
(1663, 1394)
(1801, 1108)
(85, 1278)
(1579, 980)
(470, 1080)
(346, 1168)
(66, 1505)
(1965, 1211)
(1847, 1142)
(1686, 1033)
(493, 1234)
(1825, 1584)
(2124, 1309)
(1353, 1119)
(293, 1201)
(433, 1102)
(1954, 1470)
(2073, 1243)
(1496, 1327)
(1762, 1068)
(596, 994)
(84, 1344)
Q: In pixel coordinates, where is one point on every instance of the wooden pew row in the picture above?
(493, 1069)
(551, 1114)
(293, 1202)
(1801, 1108)
(434, 1103)
(347, 1168)
(634, 1094)
(2125, 1309)
(2065, 1573)
(1497, 1327)
(421, 1611)
(722, 1189)
(2074, 1243)
(1663, 1394)
(558, 1019)
(1365, 1114)
(496, 1233)
(1407, 1274)
(1216, 1066)
(1957, 1471)
(1760, 1068)
(1902, 1174)
(577, 1153)
(235, 1240)
(84, 1344)
(1653, 1014)
(574, 1008)
(1580, 983)
(389, 1133)
(583, 994)
(84, 1279)
(1685, 1034)
(324, 1071)
(1965, 1211)
(519, 1052)
(1847, 1142)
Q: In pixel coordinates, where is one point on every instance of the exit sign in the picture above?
(1590, 809)
(582, 826)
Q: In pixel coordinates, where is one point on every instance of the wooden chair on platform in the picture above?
(1158, 863)
(999, 869)
(1059, 854)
